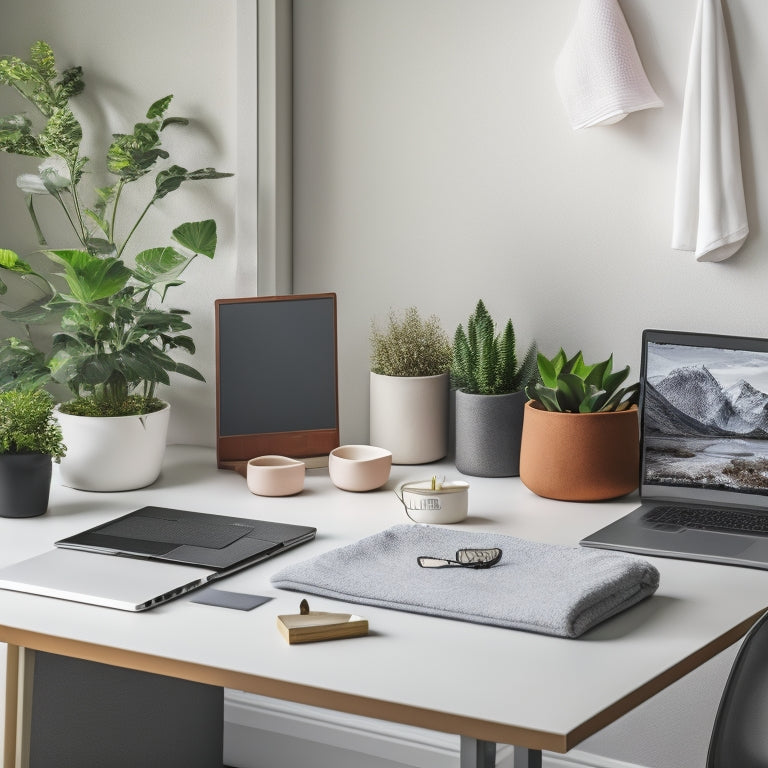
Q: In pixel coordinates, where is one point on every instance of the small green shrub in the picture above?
(572, 386)
(410, 346)
(486, 363)
(27, 424)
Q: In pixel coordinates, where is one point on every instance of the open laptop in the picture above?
(150, 556)
(704, 452)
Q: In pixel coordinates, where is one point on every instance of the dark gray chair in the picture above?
(740, 734)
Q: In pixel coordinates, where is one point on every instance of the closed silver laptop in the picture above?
(150, 556)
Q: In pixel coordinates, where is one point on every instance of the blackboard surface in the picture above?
(276, 372)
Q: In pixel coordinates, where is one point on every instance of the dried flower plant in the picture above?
(410, 346)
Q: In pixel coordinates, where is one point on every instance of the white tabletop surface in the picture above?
(485, 682)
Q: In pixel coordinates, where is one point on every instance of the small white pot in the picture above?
(449, 503)
(112, 453)
(409, 417)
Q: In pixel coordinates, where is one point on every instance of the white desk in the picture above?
(484, 683)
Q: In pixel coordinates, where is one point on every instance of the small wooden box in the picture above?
(320, 625)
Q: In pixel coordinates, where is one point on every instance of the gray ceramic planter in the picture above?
(25, 484)
(488, 432)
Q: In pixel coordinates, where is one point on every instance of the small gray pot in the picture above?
(25, 484)
(488, 433)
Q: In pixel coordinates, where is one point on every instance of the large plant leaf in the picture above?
(160, 268)
(159, 107)
(91, 278)
(12, 261)
(22, 365)
(197, 236)
(188, 370)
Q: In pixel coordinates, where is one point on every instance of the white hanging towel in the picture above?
(710, 215)
(599, 73)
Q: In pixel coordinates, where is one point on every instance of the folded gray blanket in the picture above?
(551, 589)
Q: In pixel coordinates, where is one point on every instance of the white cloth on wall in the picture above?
(598, 72)
(710, 215)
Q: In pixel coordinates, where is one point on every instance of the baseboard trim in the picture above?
(407, 745)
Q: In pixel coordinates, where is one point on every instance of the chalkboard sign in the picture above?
(276, 378)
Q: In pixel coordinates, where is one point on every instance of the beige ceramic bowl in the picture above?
(359, 467)
(275, 476)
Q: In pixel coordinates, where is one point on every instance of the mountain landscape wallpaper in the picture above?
(705, 414)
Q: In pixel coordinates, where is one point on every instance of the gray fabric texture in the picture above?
(551, 589)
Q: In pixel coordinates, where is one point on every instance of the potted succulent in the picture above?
(490, 395)
(114, 342)
(409, 384)
(580, 431)
(30, 438)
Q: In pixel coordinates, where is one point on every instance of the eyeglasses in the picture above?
(465, 558)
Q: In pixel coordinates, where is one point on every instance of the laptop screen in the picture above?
(704, 418)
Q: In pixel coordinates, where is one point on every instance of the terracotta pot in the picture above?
(580, 456)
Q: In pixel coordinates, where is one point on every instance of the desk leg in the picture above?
(527, 758)
(19, 678)
(476, 753)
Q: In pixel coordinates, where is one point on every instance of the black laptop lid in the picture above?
(704, 419)
(195, 538)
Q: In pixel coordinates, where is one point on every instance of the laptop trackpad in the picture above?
(708, 543)
(757, 551)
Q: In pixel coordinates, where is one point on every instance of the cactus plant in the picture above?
(486, 363)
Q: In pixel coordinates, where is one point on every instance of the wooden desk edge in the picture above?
(660, 682)
(351, 703)
(286, 691)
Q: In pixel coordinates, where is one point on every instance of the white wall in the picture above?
(433, 165)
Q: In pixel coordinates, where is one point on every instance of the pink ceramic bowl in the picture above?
(275, 476)
(359, 467)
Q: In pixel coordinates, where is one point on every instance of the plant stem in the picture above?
(135, 227)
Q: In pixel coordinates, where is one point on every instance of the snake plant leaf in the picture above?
(547, 371)
(599, 372)
(197, 236)
(546, 396)
(592, 400)
(581, 388)
(616, 379)
(572, 391)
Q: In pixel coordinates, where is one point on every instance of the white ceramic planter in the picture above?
(409, 417)
(115, 453)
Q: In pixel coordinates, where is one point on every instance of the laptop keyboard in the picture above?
(711, 519)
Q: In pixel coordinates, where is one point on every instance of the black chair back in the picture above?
(740, 734)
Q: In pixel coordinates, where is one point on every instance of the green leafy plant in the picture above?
(572, 386)
(485, 362)
(410, 345)
(27, 424)
(113, 346)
